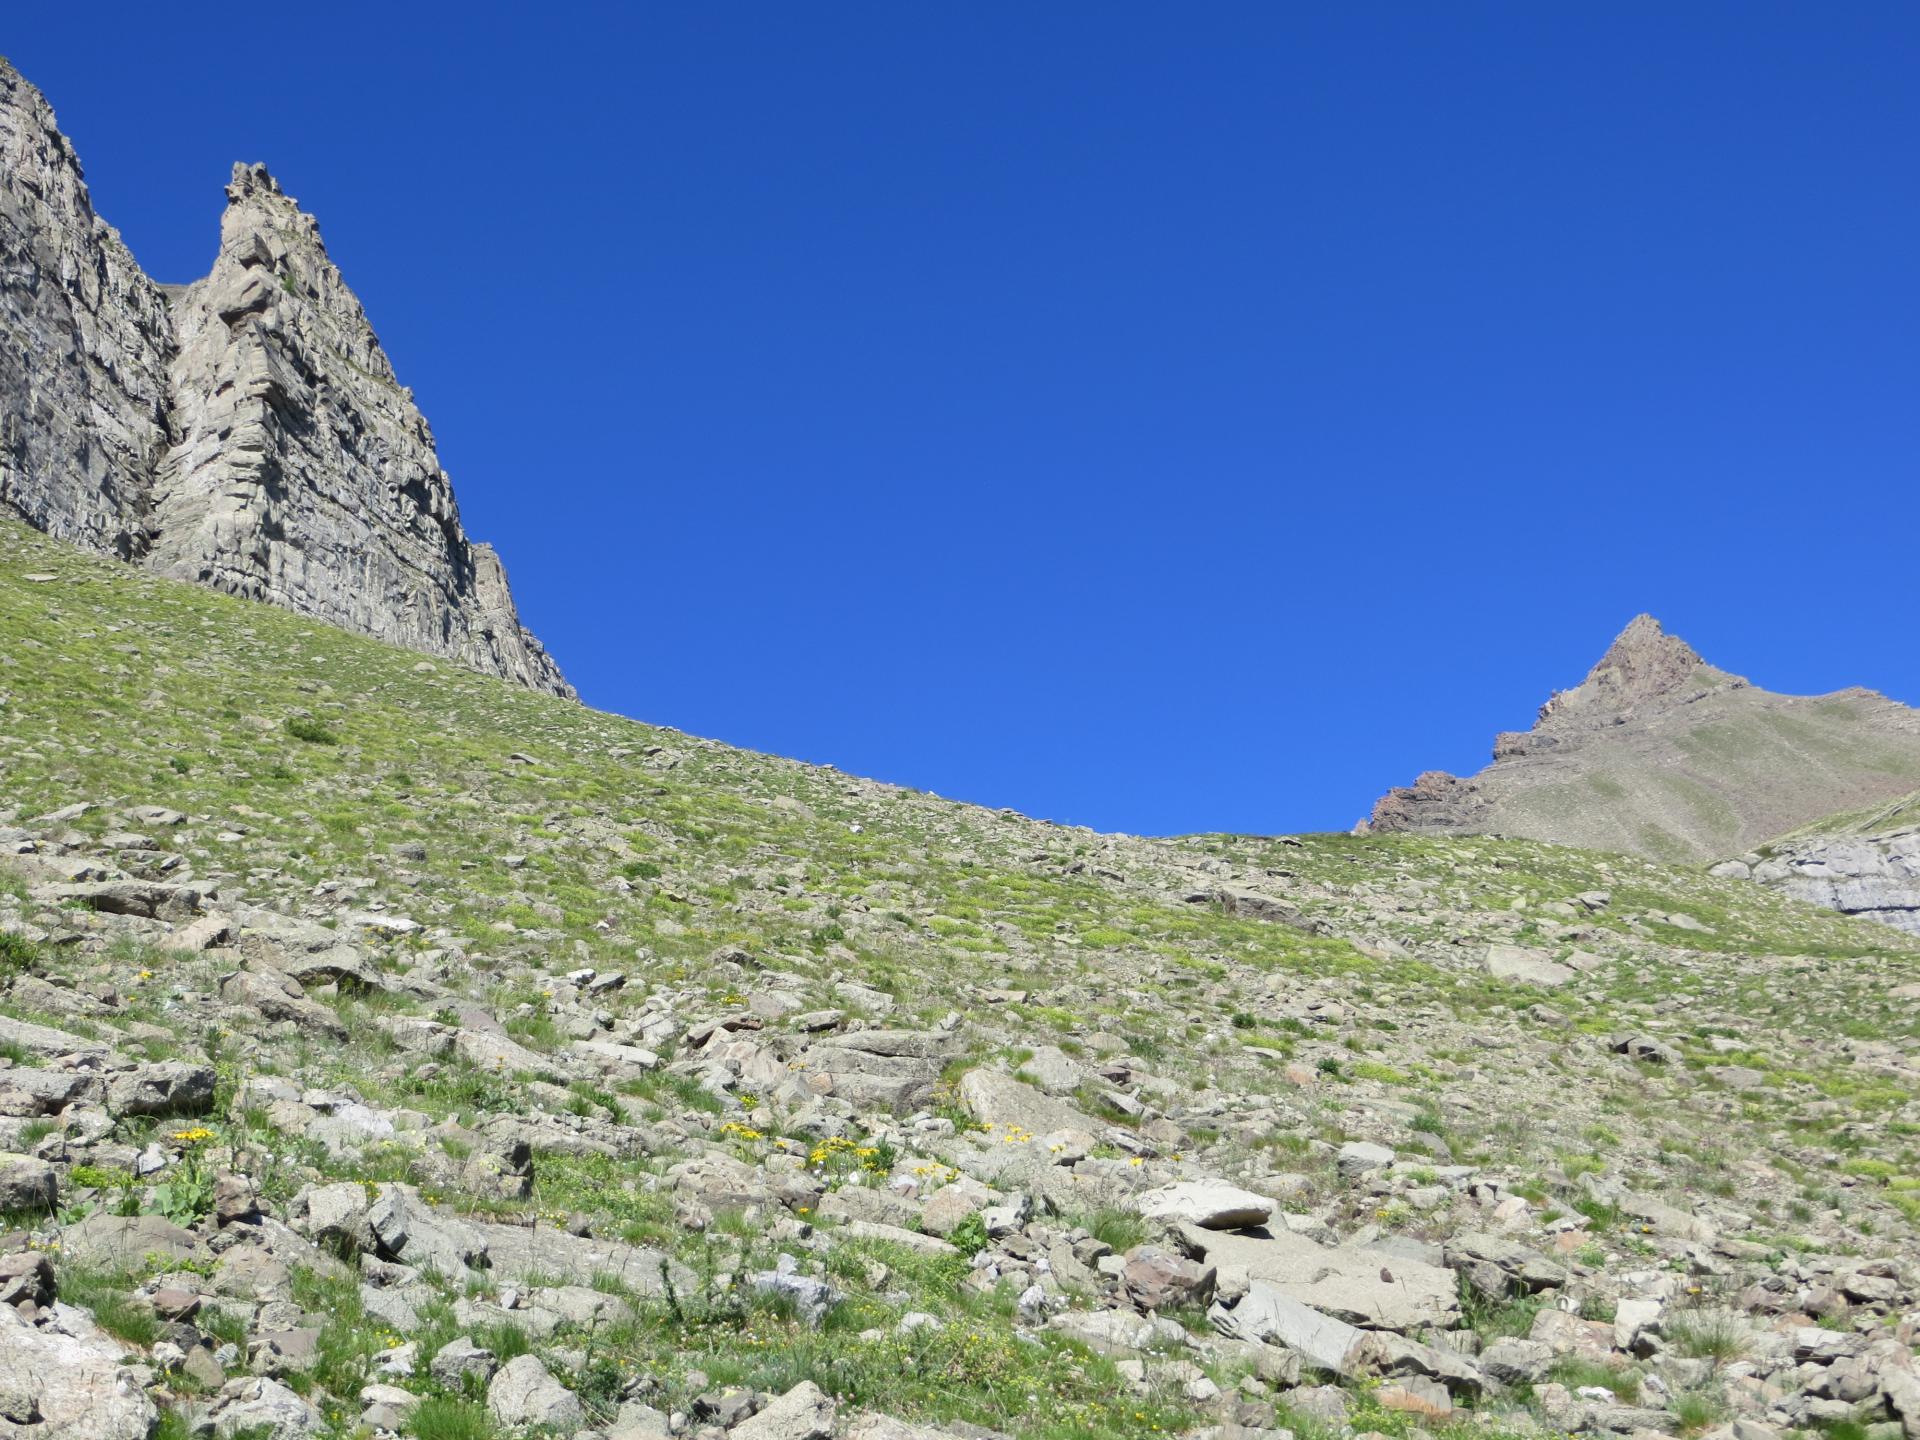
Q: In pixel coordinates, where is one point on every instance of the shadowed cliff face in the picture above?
(246, 431)
(1659, 753)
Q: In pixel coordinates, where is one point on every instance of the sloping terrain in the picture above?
(1657, 753)
(388, 1048)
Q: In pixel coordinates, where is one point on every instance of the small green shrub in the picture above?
(312, 732)
(17, 953)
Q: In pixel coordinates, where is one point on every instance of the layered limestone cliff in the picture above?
(85, 344)
(1659, 753)
(246, 431)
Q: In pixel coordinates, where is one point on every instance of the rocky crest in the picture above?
(1645, 669)
(246, 431)
(1658, 753)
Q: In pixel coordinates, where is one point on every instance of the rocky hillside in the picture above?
(385, 1049)
(1865, 863)
(1658, 753)
(245, 431)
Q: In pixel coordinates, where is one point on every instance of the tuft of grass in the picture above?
(17, 953)
(1697, 1410)
(1120, 1229)
(105, 1293)
(1712, 1335)
(441, 1417)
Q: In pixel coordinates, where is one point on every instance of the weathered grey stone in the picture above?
(1516, 1362)
(1528, 966)
(166, 1087)
(27, 1184)
(70, 1380)
(302, 473)
(1266, 1313)
(85, 344)
(125, 1241)
(459, 1358)
(1000, 1100)
(803, 1413)
(1358, 1157)
(1348, 1283)
(261, 1405)
(1209, 1204)
(1157, 1280)
(279, 997)
(523, 1393)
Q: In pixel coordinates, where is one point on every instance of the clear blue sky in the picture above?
(1157, 417)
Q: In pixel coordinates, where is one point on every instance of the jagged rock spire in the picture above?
(246, 431)
(1644, 664)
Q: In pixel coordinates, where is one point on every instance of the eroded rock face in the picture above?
(1876, 877)
(304, 474)
(85, 345)
(247, 433)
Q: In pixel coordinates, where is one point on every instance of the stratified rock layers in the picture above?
(85, 341)
(246, 431)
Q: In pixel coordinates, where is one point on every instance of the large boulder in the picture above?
(1209, 1204)
(68, 1381)
(523, 1393)
(803, 1413)
(1359, 1286)
(166, 1087)
(1267, 1314)
(1526, 965)
(125, 1241)
(257, 1406)
(1006, 1104)
(27, 1184)
(278, 997)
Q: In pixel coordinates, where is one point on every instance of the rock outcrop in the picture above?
(1866, 865)
(246, 431)
(85, 344)
(1659, 753)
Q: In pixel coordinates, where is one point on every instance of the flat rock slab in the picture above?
(1209, 1204)
(124, 1241)
(499, 1055)
(45, 1041)
(516, 1252)
(1348, 1284)
(1267, 1314)
(1528, 966)
(1002, 1101)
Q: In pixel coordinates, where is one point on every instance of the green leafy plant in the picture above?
(309, 730)
(186, 1195)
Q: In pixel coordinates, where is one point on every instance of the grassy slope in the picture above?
(557, 836)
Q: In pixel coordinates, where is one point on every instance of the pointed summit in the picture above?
(1644, 666)
(1659, 753)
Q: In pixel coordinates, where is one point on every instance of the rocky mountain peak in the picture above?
(1644, 665)
(1660, 753)
(246, 431)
